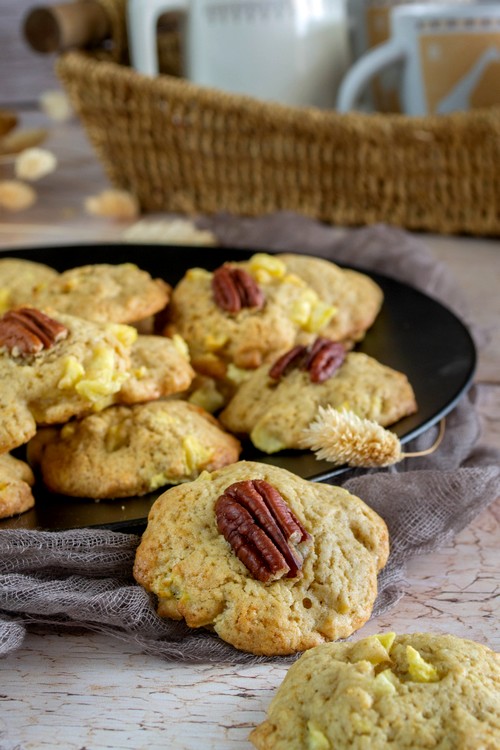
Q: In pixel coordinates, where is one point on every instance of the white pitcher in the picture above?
(290, 51)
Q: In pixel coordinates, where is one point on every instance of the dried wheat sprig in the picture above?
(342, 437)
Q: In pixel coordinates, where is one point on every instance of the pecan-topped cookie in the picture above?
(273, 563)
(387, 691)
(54, 368)
(246, 312)
(275, 404)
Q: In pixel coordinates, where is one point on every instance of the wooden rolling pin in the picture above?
(76, 25)
(57, 28)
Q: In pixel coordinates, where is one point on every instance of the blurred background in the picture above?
(24, 74)
(181, 147)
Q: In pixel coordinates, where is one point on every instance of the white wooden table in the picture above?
(76, 691)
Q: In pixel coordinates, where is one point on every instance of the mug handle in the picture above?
(360, 74)
(142, 19)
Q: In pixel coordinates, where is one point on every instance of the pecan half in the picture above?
(288, 361)
(262, 530)
(233, 288)
(321, 359)
(28, 331)
(324, 358)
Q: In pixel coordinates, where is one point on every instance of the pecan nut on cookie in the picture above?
(273, 563)
(276, 403)
(245, 312)
(384, 692)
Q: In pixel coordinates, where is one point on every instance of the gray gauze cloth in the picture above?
(83, 578)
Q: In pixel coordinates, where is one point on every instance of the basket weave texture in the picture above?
(184, 148)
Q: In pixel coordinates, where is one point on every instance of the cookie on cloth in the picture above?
(16, 481)
(131, 450)
(240, 315)
(356, 297)
(20, 278)
(103, 292)
(274, 580)
(274, 411)
(52, 369)
(387, 691)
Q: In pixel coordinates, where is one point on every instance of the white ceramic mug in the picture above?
(450, 56)
(291, 51)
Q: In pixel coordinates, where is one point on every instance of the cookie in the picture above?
(16, 480)
(103, 292)
(125, 451)
(406, 691)
(355, 296)
(19, 279)
(275, 412)
(54, 369)
(228, 334)
(159, 367)
(324, 589)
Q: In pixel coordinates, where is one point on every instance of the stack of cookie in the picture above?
(271, 562)
(89, 393)
(272, 338)
(112, 377)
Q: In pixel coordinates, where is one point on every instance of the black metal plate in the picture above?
(413, 333)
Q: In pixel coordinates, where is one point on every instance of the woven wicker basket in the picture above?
(184, 148)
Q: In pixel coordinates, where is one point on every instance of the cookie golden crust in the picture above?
(197, 577)
(274, 413)
(406, 692)
(103, 292)
(16, 480)
(19, 279)
(124, 451)
(355, 295)
(79, 374)
(220, 340)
